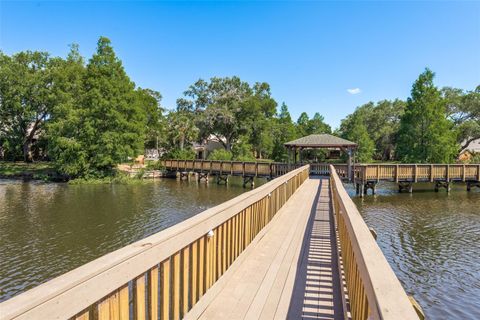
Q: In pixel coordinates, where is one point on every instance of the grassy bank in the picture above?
(35, 170)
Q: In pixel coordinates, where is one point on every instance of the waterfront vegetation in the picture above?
(85, 118)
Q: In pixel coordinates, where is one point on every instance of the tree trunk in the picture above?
(182, 143)
(27, 157)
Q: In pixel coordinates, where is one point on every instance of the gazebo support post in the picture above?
(349, 152)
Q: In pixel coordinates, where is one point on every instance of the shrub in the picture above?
(220, 154)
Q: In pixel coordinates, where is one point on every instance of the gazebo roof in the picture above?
(321, 141)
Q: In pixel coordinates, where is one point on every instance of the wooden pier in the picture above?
(296, 247)
(405, 175)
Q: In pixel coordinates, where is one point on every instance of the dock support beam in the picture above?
(222, 179)
(361, 189)
(471, 184)
(203, 175)
(248, 180)
(442, 184)
(405, 186)
(183, 175)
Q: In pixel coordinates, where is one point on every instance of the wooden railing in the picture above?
(374, 292)
(419, 172)
(164, 274)
(240, 168)
(261, 169)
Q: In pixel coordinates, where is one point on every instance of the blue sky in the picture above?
(311, 53)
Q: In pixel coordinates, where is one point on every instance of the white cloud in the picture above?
(354, 91)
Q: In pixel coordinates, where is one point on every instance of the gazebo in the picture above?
(321, 141)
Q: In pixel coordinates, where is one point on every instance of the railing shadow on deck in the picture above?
(317, 290)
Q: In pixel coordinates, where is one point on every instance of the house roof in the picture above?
(321, 141)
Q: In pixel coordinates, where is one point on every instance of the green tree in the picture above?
(110, 120)
(356, 131)
(181, 129)
(283, 131)
(149, 101)
(64, 124)
(302, 125)
(26, 100)
(382, 122)
(463, 108)
(425, 134)
(230, 108)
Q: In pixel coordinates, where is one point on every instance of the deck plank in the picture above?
(287, 271)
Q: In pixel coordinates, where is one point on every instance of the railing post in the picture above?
(415, 174)
(448, 173)
(397, 173)
(431, 173)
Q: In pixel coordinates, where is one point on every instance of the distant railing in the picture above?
(164, 274)
(256, 169)
(240, 168)
(374, 291)
(419, 172)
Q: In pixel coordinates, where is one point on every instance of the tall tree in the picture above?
(64, 123)
(181, 129)
(149, 101)
(26, 100)
(283, 131)
(425, 134)
(357, 132)
(382, 121)
(110, 121)
(463, 108)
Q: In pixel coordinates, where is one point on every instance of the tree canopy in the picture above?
(89, 116)
(425, 134)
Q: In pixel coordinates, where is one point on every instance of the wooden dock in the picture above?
(289, 272)
(296, 247)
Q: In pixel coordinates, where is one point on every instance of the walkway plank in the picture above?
(284, 272)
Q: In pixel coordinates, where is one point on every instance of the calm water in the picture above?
(432, 242)
(48, 229)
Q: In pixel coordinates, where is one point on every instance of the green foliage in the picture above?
(180, 154)
(220, 154)
(356, 131)
(475, 158)
(316, 125)
(181, 129)
(425, 134)
(26, 100)
(381, 121)
(463, 108)
(107, 124)
(242, 150)
(283, 131)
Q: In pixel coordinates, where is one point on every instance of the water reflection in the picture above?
(432, 241)
(49, 229)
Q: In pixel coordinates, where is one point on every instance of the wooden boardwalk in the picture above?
(270, 253)
(290, 271)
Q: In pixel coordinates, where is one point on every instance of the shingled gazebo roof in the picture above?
(321, 141)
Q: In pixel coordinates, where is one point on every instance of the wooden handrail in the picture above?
(374, 291)
(419, 172)
(164, 273)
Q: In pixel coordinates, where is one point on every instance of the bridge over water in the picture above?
(295, 247)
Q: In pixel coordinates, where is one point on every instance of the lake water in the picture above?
(47, 229)
(431, 240)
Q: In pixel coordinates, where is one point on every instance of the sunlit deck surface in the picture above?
(289, 271)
